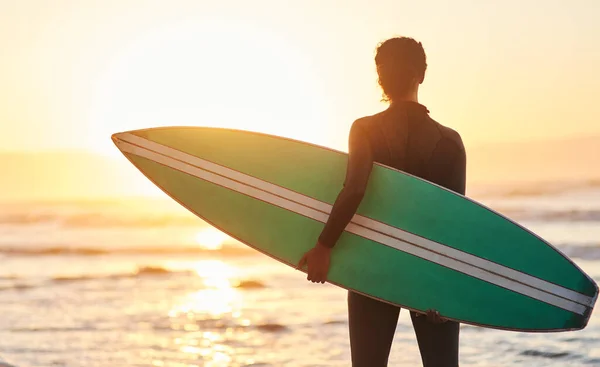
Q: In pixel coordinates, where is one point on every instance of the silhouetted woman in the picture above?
(405, 137)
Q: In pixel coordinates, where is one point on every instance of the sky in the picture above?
(74, 72)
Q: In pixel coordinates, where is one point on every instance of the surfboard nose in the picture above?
(125, 140)
(123, 137)
(116, 137)
(120, 139)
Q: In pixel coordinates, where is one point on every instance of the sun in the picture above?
(211, 239)
(213, 73)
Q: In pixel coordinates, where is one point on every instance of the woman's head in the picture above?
(401, 65)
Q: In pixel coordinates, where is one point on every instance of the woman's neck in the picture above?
(400, 101)
(412, 96)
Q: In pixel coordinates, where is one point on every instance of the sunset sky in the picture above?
(74, 72)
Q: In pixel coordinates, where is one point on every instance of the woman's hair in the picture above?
(399, 62)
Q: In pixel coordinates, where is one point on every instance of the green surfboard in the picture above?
(412, 243)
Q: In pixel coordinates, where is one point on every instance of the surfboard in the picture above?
(411, 243)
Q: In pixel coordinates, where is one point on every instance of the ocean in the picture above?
(141, 282)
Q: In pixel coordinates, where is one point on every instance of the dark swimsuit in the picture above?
(406, 138)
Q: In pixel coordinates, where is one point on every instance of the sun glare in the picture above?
(218, 297)
(215, 270)
(212, 73)
(211, 238)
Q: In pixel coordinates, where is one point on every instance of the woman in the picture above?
(406, 138)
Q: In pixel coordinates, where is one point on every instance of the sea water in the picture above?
(144, 283)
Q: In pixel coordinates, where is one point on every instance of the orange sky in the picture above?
(73, 72)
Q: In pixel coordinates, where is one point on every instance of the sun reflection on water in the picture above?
(211, 238)
(219, 297)
(208, 314)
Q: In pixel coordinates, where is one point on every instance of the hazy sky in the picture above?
(73, 72)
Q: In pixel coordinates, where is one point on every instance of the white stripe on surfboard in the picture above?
(363, 221)
(354, 228)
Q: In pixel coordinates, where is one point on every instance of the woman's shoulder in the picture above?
(449, 134)
(366, 122)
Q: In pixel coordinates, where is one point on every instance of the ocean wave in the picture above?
(51, 329)
(527, 192)
(575, 215)
(550, 355)
(91, 251)
(335, 322)
(3, 363)
(271, 327)
(69, 279)
(157, 270)
(8, 277)
(570, 215)
(152, 271)
(581, 251)
(53, 251)
(537, 189)
(141, 272)
(18, 287)
(99, 220)
(249, 284)
(219, 324)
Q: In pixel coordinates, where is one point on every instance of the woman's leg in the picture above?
(438, 343)
(372, 327)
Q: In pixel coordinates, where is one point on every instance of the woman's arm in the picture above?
(360, 164)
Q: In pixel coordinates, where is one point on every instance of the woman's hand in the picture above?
(318, 260)
(433, 316)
